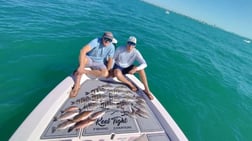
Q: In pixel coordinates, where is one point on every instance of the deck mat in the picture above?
(102, 108)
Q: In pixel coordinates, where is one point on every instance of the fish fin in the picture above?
(55, 118)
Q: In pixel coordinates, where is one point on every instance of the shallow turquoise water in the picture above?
(201, 74)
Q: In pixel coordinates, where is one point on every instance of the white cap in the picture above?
(114, 41)
(132, 39)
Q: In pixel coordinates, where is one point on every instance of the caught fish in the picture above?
(131, 113)
(67, 115)
(137, 107)
(83, 115)
(70, 108)
(81, 100)
(63, 125)
(115, 91)
(91, 106)
(98, 97)
(141, 113)
(128, 98)
(120, 92)
(97, 115)
(108, 105)
(82, 124)
(141, 99)
(107, 87)
(115, 98)
(96, 91)
(122, 87)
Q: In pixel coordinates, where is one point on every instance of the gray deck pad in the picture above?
(102, 108)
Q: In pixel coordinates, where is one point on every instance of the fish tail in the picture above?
(70, 129)
(53, 129)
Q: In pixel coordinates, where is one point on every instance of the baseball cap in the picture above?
(132, 39)
(108, 35)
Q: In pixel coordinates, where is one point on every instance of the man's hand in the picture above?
(132, 71)
(80, 70)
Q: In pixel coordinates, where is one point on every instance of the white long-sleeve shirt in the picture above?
(124, 59)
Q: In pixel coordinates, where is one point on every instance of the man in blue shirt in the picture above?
(94, 55)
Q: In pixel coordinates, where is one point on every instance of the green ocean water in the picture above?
(201, 74)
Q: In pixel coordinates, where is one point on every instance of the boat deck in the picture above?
(126, 115)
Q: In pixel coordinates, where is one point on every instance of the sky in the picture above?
(231, 15)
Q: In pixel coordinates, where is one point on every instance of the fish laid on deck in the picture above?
(63, 125)
(67, 115)
(83, 115)
(71, 108)
(95, 103)
(82, 124)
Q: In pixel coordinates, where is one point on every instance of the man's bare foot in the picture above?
(149, 94)
(133, 88)
(74, 92)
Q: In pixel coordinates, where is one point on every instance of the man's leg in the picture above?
(76, 86)
(77, 76)
(120, 76)
(97, 72)
(145, 83)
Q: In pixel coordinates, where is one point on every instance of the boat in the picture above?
(247, 41)
(103, 110)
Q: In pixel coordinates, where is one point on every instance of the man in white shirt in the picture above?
(124, 58)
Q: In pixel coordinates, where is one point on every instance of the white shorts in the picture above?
(95, 65)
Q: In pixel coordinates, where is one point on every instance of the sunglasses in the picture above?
(131, 44)
(107, 39)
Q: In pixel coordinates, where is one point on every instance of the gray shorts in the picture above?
(95, 65)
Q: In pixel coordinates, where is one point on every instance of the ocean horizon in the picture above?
(200, 73)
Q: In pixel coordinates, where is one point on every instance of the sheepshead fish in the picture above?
(63, 125)
(108, 105)
(131, 113)
(128, 98)
(96, 91)
(142, 113)
(91, 106)
(122, 87)
(107, 87)
(81, 100)
(82, 124)
(98, 97)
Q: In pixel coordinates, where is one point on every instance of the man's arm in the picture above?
(141, 61)
(110, 63)
(111, 55)
(82, 57)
